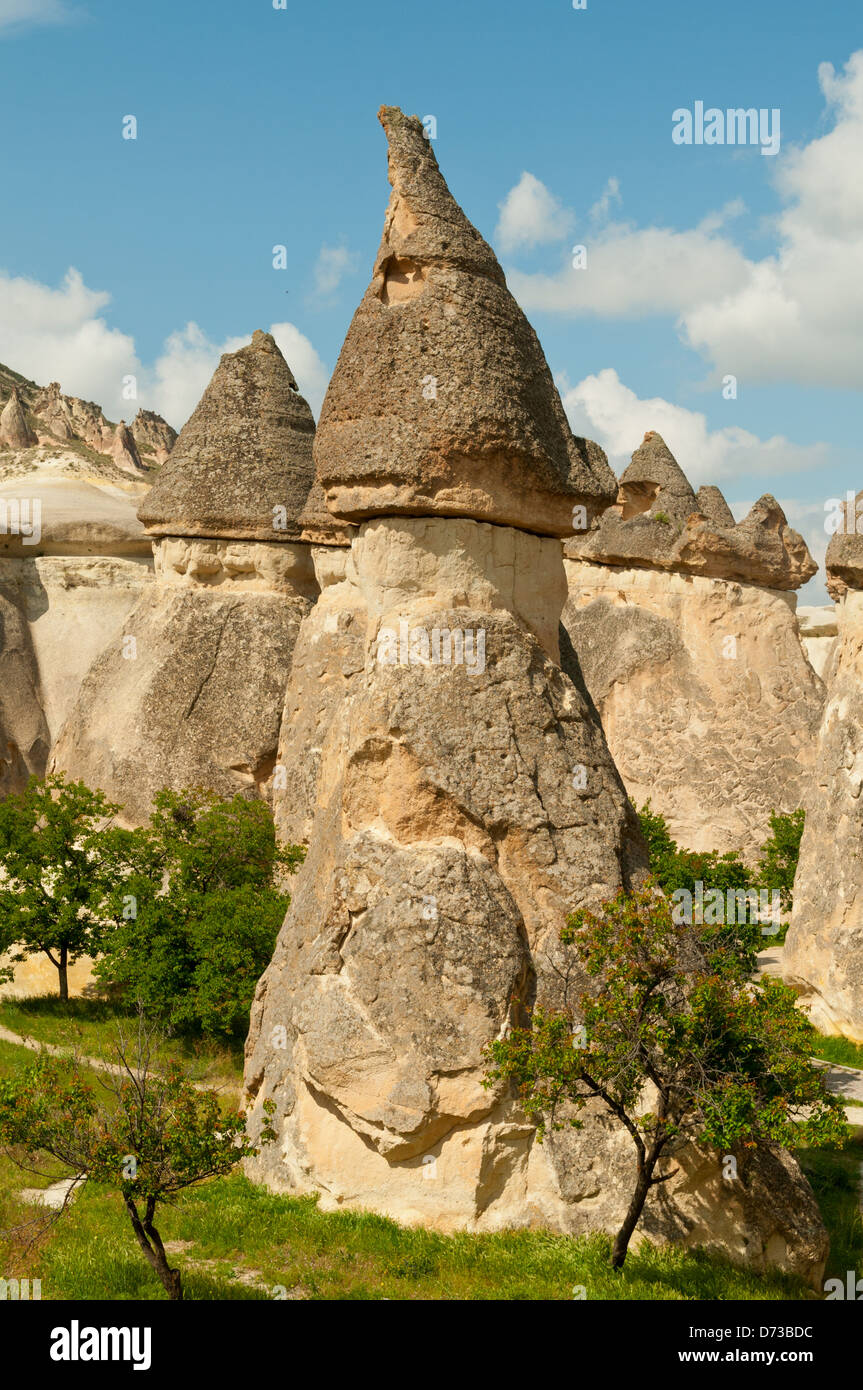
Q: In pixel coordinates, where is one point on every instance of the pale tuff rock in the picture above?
(817, 628)
(250, 566)
(824, 947)
(24, 735)
(74, 560)
(124, 450)
(450, 838)
(188, 694)
(191, 691)
(658, 522)
(458, 798)
(242, 465)
(687, 638)
(330, 650)
(442, 402)
(154, 438)
(74, 605)
(14, 429)
(319, 525)
(708, 703)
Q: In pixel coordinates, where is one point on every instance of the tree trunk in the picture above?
(154, 1253)
(63, 972)
(630, 1221)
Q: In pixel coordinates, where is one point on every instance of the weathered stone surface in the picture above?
(712, 505)
(125, 451)
(74, 606)
(242, 465)
(824, 947)
(154, 438)
(319, 526)
(708, 703)
(441, 402)
(330, 650)
(188, 694)
(844, 559)
(14, 429)
(457, 815)
(658, 522)
(74, 559)
(24, 736)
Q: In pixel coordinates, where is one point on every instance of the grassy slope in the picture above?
(242, 1242)
(89, 1025)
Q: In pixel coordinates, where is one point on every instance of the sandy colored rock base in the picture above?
(450, 838)
(708, 703)
(824, 947)
(190, 693)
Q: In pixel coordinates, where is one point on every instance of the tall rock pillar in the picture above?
(191, 692)
(465, 799)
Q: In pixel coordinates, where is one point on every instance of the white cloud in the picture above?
(312, 374)
(610, 194)
(530, 215)
(16, 15)
(332, 265)
(791, 316)
(603, 408)
(632, 272)
(58, 335)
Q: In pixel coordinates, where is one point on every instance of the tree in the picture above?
(780, 852)
(149, 1136)
(729, 1061)
(197, 901)
(52, 872)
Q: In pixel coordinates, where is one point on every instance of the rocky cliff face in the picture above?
(74, 559)
(824, 946)
(190, 692)
(462, 798)
(685, 629)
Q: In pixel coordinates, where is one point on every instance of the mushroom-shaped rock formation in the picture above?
(442, 403)
(461, 799)
(824, 947)
(190, 693)
(685, 630)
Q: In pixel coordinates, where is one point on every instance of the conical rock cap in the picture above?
(442, 402)
(242, 465)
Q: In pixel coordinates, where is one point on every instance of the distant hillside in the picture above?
(33, 415)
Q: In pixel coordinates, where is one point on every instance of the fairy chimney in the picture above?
(191, 692)
(449, 836)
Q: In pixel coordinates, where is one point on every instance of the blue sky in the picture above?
(256, 127)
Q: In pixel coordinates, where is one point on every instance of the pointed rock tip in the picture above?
(442, 402)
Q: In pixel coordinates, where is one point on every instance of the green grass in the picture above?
(842, 1051)
(90, 1026)
(241, 1242)
(835, 1179)
(235, 1228)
